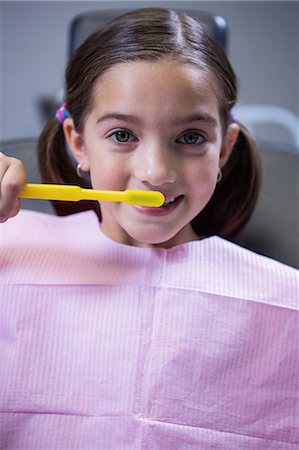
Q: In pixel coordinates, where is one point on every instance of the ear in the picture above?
(228, 143)
(75, 143)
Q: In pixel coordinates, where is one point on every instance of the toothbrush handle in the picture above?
(113, 196)
(51, 192)
(69, 193)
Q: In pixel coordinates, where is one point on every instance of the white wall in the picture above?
(263, 48)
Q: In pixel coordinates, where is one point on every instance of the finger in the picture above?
(7, 162)
(13, 176)
(4, 163)
(13, 211)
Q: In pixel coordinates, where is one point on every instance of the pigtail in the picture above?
(55, 166)
(54, 162)
(236, 195)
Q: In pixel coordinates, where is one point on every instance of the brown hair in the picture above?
(152, 34)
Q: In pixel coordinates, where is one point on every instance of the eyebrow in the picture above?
(118, 116)
(203, 117)
(198, 117)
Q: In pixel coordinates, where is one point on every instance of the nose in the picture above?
(155, 165)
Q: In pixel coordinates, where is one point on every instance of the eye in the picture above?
(192, 138)
(122, 136)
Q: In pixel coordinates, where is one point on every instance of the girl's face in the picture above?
(153, 126)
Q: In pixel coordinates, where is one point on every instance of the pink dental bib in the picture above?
(106, 346)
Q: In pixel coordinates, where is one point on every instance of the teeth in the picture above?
(169, 201)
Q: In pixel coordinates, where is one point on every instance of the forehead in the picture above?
(167, 85)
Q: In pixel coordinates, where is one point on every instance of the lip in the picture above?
(162, 210)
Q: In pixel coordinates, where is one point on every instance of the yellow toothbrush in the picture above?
(75, 193)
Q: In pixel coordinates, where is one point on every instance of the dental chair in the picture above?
(88, 22)
(273, 228)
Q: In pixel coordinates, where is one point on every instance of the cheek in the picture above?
(106, 172)
(202, 175)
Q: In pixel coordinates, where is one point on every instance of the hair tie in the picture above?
(232, 118)
(62, 113)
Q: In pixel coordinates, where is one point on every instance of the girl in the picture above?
(148, 331)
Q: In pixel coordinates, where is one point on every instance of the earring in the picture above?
(219, 176)
(80, 172)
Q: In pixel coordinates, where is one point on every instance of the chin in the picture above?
(150, 240)
(151, 237)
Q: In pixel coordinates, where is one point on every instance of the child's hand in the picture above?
(12, 179)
